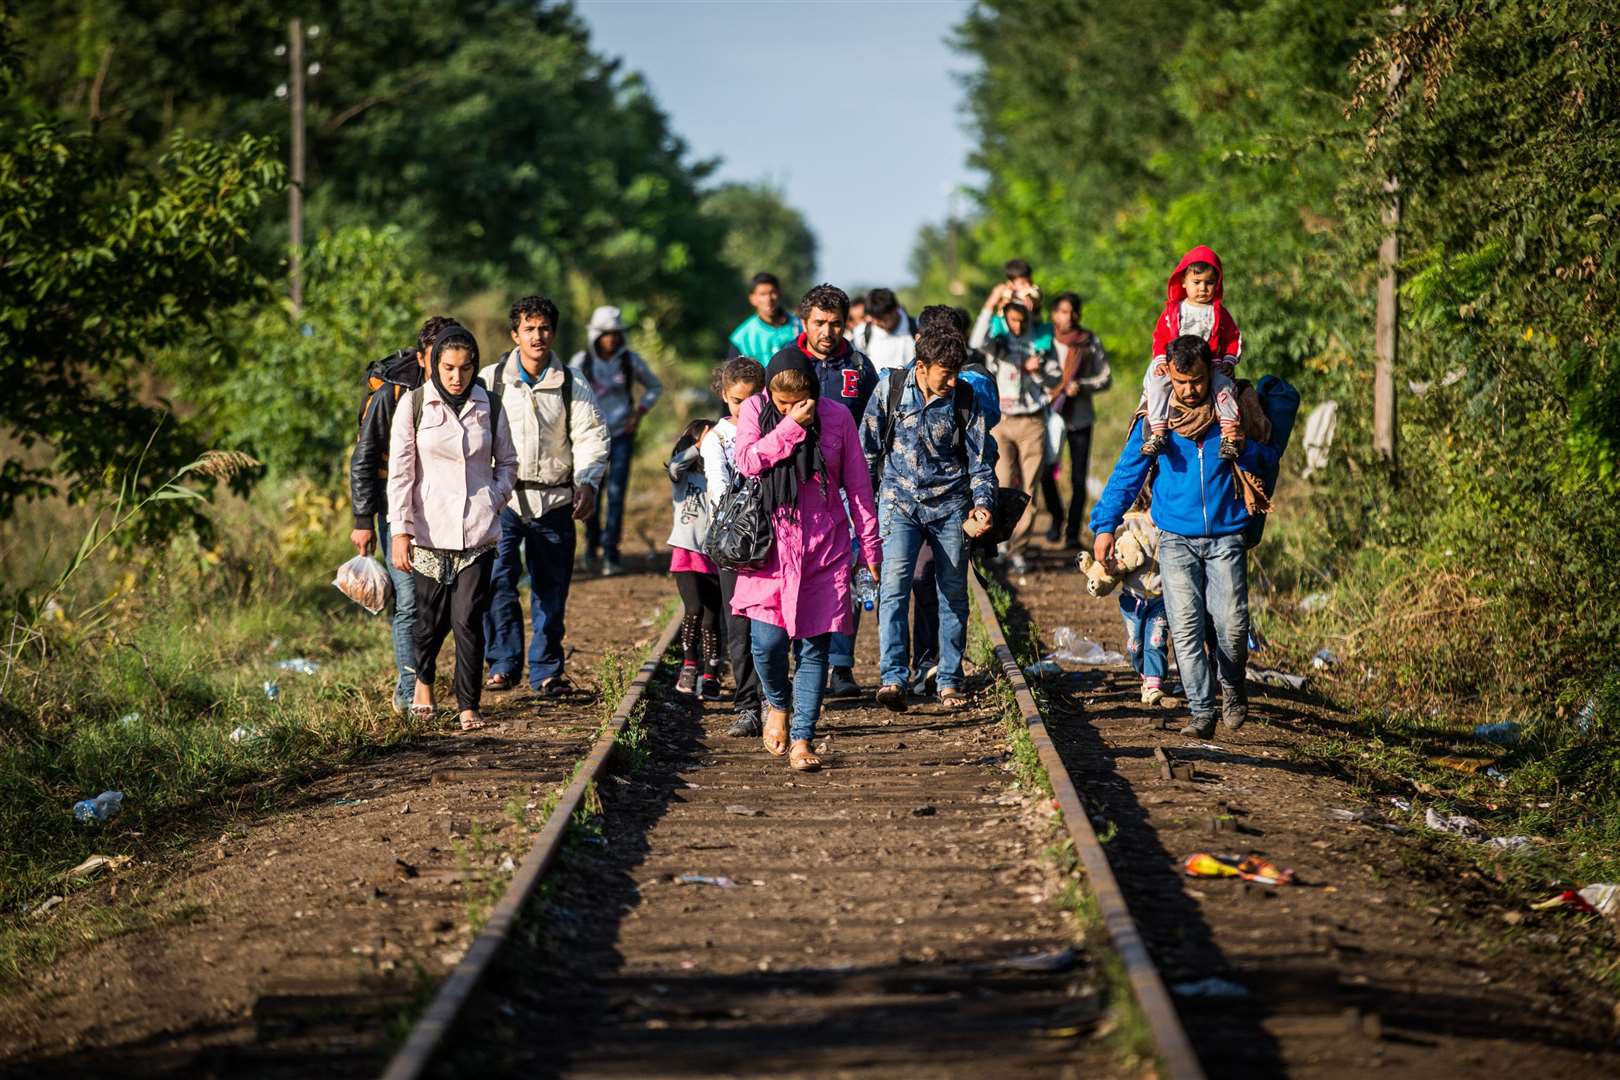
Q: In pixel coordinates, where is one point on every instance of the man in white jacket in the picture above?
(562, 446)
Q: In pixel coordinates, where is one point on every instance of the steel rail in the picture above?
(1175, 1050)
(411, 1060)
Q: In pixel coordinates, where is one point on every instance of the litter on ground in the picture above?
(1248, 867)
(705, 879)
(1212, 986)
(303, 665)
(1270, 677)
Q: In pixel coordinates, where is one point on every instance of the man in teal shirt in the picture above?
(769, 329)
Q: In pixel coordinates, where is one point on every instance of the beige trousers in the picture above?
(1021, 441)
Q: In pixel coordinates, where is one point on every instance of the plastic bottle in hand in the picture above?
(866, 590)
(100, 808)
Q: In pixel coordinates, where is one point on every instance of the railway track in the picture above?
(890, 915)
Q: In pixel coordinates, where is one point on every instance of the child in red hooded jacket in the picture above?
(1194, 307)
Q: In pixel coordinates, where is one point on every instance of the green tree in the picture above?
(762, 232)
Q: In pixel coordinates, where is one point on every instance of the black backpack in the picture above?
(740, 536)
(1010, 502)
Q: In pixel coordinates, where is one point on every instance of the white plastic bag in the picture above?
(364, 581)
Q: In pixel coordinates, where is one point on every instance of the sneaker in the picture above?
(710, 690)
(1017, 564)
(687, 681)
(1151, 696)
(1200, 729)
(892, 697)
(1234, 710)
(611, 567)
(842, 684)
(746, 724)
(1231, 449)
(1155, 444)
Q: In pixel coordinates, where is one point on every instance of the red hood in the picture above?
(803, 342)
(1198, 254)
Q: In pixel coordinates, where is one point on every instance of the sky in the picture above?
(865, 137)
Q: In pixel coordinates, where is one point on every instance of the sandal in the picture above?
(498, 681)
(556, 686)
(802, 758)
(423, 713)
(952, 698)
(892, 697)
(472, 725)
(776, 731)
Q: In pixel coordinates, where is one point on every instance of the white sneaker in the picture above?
(1151, 696)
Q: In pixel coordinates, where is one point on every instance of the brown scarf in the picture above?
(1071, 340)
(1192, 423)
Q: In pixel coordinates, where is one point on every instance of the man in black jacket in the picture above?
(387, 381)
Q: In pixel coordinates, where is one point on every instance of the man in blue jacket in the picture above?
(1199, 508)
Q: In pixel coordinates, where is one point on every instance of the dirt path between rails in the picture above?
(881, 916)
(1388, 923)
(294, 943)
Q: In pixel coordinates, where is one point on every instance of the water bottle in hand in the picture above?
(100, 808)
(866, 589)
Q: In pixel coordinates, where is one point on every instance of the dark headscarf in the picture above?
(780, 483)
(459, 336)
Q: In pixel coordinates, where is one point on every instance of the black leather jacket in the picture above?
(387, 381)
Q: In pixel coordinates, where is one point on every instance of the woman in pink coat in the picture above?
(807, 455)
(451, 467)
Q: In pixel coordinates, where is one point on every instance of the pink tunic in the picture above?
(684, 560)
(805, 586)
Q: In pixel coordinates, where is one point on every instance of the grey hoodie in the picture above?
(608, 381)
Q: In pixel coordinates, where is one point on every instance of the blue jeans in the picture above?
(1146, 635)
(404, 618)
(809, 682)
(547, 544)
(598, 537)
(903, 538)
(1207, 577)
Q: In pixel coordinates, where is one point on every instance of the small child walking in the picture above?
(695, 575)
(1194, 306)
(1141, 604)
(735, 382)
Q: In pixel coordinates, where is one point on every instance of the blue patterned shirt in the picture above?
(925, 475)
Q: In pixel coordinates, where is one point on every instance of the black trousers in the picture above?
(740, 649)
(460, 608)
(700, 597)
(1079, 463)
(924, 613)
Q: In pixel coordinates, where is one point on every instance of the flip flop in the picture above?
(498, 681)
(775, 735)
(473, 725)
(802, 758)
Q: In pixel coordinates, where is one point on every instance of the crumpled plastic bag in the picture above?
(1071, 646)
(363, 580)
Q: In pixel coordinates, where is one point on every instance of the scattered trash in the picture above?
(1400, 804)
(1248, 867)
(347, 802)
(1320, 426)
(1567, 898)
(1060, 960)
(1324, 660)
(1452, 824)
(244, 733)
(1603, 896)
(1361, 817)
(363, 580)
(1071, 646)
(1449, 378)
(1281, 679)
(1496, 774)
(705, 879)
(46, 906)
(95, 864)
(1316, 601)
(1045, 667)
(130, 718)
(507, 865)
(1585, 717)
(271, 690)
(301, 664)
(1511, 843)
(1502, 733)
(744, 811)
(924, 810)
(1257, 640)
(100, 808)
(1213, 986)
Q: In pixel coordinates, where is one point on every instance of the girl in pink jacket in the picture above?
(807, 454)
(452, 466)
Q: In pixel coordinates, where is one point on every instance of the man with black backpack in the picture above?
(387, 380)
(562, 447)
(934, 469)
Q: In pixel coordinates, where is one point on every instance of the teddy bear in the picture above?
(1134, 558)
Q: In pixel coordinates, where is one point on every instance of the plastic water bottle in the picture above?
(866, 590)
(100, 808)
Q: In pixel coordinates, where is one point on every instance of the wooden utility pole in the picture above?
(1386, 335)
(295, 190)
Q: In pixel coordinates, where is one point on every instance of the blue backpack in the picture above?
(1280, 401)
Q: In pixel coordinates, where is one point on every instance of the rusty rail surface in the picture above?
(1175, 1050)
(411, 1060)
